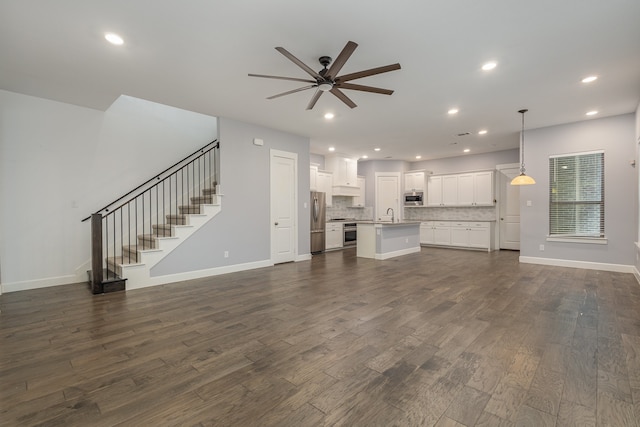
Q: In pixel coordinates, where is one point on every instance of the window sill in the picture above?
(588, 240)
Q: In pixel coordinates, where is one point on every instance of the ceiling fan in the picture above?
(327, 79)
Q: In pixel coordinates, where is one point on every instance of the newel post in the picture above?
(96, 254)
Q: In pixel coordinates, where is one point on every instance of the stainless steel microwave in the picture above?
(414, 198)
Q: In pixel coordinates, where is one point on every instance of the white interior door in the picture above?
(284, 178)
(509, 209)
(387, 195)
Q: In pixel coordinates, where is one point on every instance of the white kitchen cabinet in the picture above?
(325, 185)
(435, 233)
(442, 233)
(414, 181)
(313, 177)
(459, 234)
(465, 189)
(345, 170)
(484, 188)
(449, 190)
(434, 191)
(334, 235)
(475, 189)
(426, 233)
(359, 200)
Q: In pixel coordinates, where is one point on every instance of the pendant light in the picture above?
(522, 179)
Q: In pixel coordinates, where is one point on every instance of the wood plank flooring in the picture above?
(438, 338)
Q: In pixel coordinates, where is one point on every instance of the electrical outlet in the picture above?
(226, 254)
(542, 247)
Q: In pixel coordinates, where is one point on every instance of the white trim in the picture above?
(40, 283)
(618, 268)
(303, 257)
(580, 153)
(636, 273)
(394, 254)
(589, 240)
(199, 274)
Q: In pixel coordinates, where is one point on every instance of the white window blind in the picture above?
(576, 195)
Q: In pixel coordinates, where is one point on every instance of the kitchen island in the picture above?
(385, 239)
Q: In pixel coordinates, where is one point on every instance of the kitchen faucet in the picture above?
(390, 209)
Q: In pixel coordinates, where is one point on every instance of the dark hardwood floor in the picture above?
(443, 337)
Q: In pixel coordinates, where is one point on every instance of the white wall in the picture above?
(468, 162)
(614, 135)
(243, 227)
(60, 162)
(637, 263)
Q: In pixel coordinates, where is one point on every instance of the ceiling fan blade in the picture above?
(282, 78)
(364, 88)
(314, 99)
(342, 58)
(367, 73)
(291, 91)
(299, 63)
(342, 97)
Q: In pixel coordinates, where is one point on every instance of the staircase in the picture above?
(153, 221)
(136, 261)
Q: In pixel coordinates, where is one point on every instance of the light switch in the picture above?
(529, 203)
(258, 141)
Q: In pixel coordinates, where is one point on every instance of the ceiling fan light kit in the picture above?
(327, 79)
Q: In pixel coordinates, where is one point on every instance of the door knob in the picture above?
(275, 223)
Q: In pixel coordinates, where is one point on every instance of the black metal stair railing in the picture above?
(134, 221)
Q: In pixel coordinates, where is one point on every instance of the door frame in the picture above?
(498, 192)
(399, 214)
(292, 156)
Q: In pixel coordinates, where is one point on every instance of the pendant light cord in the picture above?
(522, 142)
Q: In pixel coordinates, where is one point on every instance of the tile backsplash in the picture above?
(342, 209)
(484, 213)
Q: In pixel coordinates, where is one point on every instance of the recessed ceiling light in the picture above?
(489, 66)
(365, 157)
(482, 132)
(114, 39)
(332, 148)
(589, 79)
(418, 157)
(329, 116)
(453, 111)
(376, 149)
(466, 150)
(592, 113)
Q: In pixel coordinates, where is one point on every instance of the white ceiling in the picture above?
(196, 54)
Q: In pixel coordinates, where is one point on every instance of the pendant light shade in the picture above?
(522, 179)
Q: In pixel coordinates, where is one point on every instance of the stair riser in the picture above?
(195, 209)
(173, 220)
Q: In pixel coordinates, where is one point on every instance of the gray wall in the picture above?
(614, 135)
(243, 227)
(468, 162)
(61, 162)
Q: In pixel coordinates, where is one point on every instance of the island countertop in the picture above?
(389, 223)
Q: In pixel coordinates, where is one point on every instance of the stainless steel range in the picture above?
(350, 234)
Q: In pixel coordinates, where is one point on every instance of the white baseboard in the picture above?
(394, 254)
(618, 268)
(303, 257)
(40, 283)
(199, 274)
(637, 274)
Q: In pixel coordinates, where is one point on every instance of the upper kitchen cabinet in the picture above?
(325, 185)
(359, 200)
(414, 181)
(442, 190)
(466, 189)
(313, 177)
(475, 189)
(345, 175)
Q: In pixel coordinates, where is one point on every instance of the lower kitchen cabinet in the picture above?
(334, 235)
(459, 234)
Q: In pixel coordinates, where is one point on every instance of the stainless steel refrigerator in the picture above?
(318, 216)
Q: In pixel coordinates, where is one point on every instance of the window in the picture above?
(576, 195)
